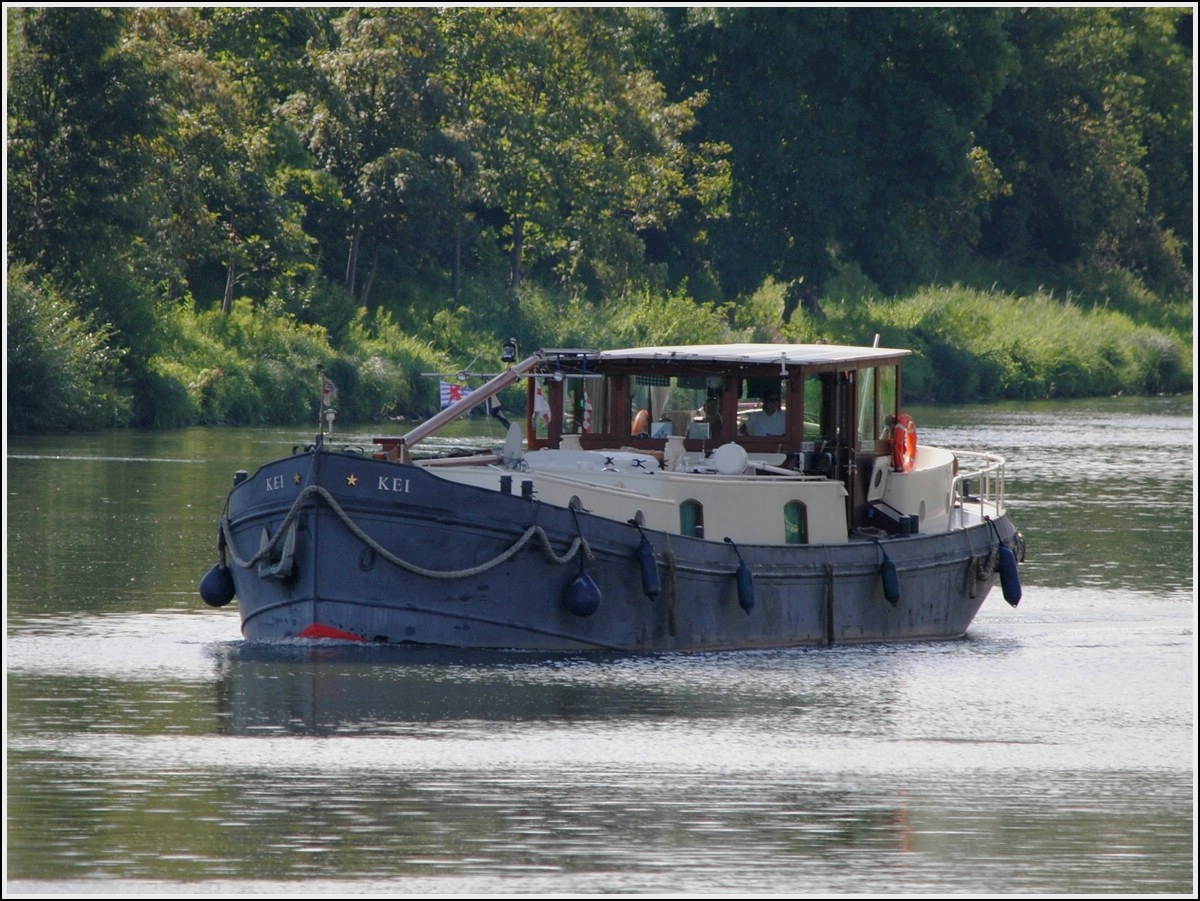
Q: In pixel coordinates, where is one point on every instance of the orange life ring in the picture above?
(641, 424)
(904, 444)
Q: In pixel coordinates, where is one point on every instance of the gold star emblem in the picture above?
(297, 478)
(352, 480)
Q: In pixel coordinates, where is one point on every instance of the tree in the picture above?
(81, 119)
(580, 150)
(79, 116)
(851, 133)
(366, 119)
(1091, 135)
(224, 221)
(1162, 57)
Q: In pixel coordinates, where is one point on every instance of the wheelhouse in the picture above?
(819, 409)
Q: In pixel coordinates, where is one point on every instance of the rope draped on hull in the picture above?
(535, 531)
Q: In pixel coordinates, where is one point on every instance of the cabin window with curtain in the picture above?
(662, 406)
(585, 405)
(795, 522)
(691, 519)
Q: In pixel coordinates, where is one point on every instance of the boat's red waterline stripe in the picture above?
(317, 630)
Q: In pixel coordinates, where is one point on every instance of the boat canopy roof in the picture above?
(737, 355)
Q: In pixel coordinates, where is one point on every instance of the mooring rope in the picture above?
(579, 544)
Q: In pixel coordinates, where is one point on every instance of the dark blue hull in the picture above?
(329, 544)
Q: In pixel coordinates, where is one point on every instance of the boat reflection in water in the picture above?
(339, 688)
(323, 688)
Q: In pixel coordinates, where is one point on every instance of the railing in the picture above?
(981, 471)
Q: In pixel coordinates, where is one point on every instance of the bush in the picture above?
(260, 363)
(165, 396)
(1157, 363)
(388, 363)
(61, 373)
(646, 318)
(972, 345)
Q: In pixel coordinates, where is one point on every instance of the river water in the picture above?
(1051, 751)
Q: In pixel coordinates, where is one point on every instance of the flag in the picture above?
(541, 406)
(587, 412)
(451, 393)
(328, 392)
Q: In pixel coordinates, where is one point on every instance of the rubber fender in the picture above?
(745, 587)
(651, 586)
(745, 579)
(216, 588)
(583, 595)
(891, 579)
(1010, 581)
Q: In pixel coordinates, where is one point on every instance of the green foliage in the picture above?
(390, 361)
(1158, 364)
(79, 110)
(848, 127)
(970, 345)
(759, 318)
(109, 286)
(316, 301)
(849, 282)
(639, 318)
(668, 319)
(225, 200)
(60, 367)
(1092, 135)
(168, 394)
(244, 368)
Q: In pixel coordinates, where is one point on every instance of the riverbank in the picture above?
(249, 367)
(970, 345)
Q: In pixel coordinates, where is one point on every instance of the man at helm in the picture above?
(770, 419)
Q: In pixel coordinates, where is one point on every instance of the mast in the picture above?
(465, 404)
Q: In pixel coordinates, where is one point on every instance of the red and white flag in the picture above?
(328, 392)
(452, 393)
(541, 406)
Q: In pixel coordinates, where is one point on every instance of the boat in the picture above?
(655, 499)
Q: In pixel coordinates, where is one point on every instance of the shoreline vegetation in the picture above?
(209, 206)
(241, 368)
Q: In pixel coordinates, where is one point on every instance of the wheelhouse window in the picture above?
(877, 403)
(814, 407)
(585, 405)
(689, 406)
(762, 407)
(867, 409)
(889, 397)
